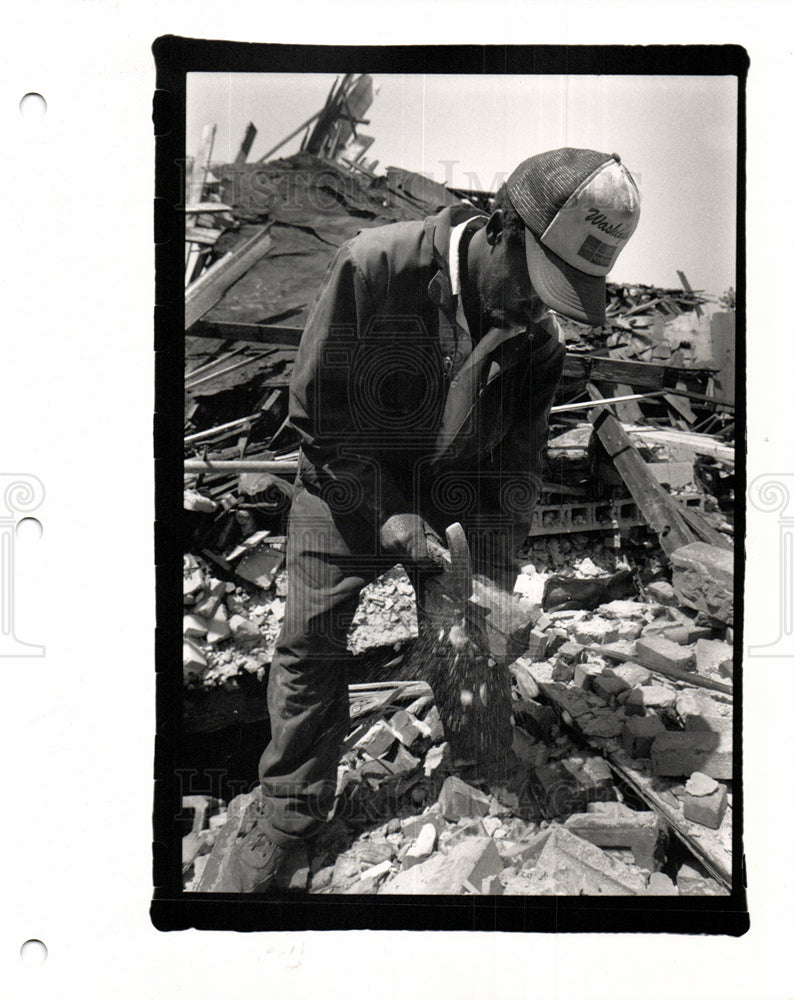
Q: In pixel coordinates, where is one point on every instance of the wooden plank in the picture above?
(603, 369)
(629, 410)
(203, 294)
(681, 405)
(650, 496)
(255, 333)
(703, 529)
(195, 181)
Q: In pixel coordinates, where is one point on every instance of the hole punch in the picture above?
(29, 529)
(33, 952)
(33, 107)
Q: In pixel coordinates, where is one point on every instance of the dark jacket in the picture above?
(372, 376)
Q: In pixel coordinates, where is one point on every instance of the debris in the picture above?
(471, 861)
(700, 784)
(245, 633)
(657, 653)
(639, 733)
(578, 867)
(422, 847)
(703, 579)
(459, 800)
(714, 656)
(662, 592)
(676, 753)
(708, 810)
(652, 696)
(643, 832)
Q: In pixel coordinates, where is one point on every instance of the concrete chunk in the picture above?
(656, 652)
(471, 861)
(676, 754)
(707, 810)
(661, 592)
(632, 673)
(422, 847)
(643, 832)
(653, 696)
(712, 655)
(595, 631)
(578, 867)
(459, 800)
(703, 579)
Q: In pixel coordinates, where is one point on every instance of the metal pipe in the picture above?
(195, 466)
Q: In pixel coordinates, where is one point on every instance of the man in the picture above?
(421, 393)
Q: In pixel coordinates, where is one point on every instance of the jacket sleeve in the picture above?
(329, 402)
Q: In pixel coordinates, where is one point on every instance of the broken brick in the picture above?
(632, 673)
(570, 651)
(245, 633)
(685, 635)
(539, 720)
(422, 847)
(193, 660)
(660, 884)
(711, 655)
(707, 810)
(676, 754)
(459, 800)
(404, 726)
(413, 826)
(595, 631)
(472, 860)
(378, 740)
(653, 696)
(608, 687)
(661, 592)
(656, 652)
(584, 674)
(703, 579)
(639, 732)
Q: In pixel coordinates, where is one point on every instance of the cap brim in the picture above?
(564, 288)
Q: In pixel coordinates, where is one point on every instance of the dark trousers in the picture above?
(329, 560)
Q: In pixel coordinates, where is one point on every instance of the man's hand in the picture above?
(406, 536)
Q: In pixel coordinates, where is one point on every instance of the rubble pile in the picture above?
(620, 781)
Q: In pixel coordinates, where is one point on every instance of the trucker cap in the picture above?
(579, 207)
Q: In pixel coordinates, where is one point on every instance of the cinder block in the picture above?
(459, 800)
(675, 754)
(708, 810)
(703, 579)
(643, 832)
(537, 643)
(639, 732)
(654, 651)
(570, 652)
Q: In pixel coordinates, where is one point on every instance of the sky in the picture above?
(676, 134)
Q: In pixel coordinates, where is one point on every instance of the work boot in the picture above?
(253, 864)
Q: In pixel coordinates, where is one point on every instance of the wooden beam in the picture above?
(245, 145)
(204, 293)
(604, 369)
(654, 502)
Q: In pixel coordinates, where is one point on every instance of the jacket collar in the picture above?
(438, 229)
